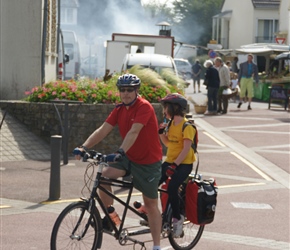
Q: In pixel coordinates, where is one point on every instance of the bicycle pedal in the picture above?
(144, 223)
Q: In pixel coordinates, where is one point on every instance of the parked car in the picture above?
(156, 62)
(89, 66)
(183, 67)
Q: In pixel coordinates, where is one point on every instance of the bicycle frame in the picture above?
(99, 181)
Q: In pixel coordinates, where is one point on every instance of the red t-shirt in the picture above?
(147, 148)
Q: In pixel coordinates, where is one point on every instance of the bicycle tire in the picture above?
(191, 232)
(77, 228)
(189, 238)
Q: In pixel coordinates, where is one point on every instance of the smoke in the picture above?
(97, 20)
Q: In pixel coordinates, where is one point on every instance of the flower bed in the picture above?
(86, 90)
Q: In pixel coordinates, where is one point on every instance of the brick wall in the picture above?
(42, 119)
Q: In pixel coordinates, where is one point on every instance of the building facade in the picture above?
(28, 45)
(251, 21)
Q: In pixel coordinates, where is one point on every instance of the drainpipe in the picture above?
(43, 41)
(58, 34)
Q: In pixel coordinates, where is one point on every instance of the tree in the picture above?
(195, 19)
(191, 20)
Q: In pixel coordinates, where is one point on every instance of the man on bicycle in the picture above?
(140, 153)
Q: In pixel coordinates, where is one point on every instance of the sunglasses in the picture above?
(129, 90)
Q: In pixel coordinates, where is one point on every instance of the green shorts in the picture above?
(145, 177)
(247, 85)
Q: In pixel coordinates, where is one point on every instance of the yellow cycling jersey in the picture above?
(175, 142)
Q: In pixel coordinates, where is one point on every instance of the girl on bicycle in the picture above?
(180, 155)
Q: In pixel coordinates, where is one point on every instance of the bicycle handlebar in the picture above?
(94, 155)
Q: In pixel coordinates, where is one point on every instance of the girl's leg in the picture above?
(182, 172)
(164, 177)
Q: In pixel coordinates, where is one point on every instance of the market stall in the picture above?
(272, 73)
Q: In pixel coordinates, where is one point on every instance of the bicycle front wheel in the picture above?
(189, 238)
(77, 228)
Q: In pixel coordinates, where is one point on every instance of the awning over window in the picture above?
(225, 14)
(262, 49)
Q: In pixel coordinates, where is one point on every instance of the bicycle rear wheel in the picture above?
(189, 238)
(77, 228)
(191, 232)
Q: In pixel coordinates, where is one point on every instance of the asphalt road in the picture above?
(247, 152)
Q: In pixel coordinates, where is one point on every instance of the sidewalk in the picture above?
(17, 143)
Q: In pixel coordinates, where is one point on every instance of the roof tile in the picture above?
(271, 4)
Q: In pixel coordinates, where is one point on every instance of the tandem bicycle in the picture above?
(79, 225)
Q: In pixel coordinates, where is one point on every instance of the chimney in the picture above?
(164, 29)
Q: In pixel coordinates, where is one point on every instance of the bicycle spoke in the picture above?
(75, 228)
(189, 238)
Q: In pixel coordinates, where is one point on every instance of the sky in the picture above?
(158, 1)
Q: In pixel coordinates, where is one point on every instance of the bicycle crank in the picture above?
(165, 230)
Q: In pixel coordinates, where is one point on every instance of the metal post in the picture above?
(64, 127)
(54, 185)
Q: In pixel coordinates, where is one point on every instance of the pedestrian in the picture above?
(248, 70)
(196, 71)
(229, 65)
(213, 82)
(235, 68)
(234, 86)
(140, 154)
(224, 75)
(180, 155)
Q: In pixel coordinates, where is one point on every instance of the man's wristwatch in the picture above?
(121, 151)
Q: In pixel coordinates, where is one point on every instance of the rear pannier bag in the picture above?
(200, 201)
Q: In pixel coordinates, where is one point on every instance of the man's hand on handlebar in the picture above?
(79, 152)
(116, 156)
(84, 153)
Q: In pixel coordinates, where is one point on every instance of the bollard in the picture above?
(54, 185)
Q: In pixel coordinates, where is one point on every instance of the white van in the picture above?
(62, 59)
(156, 62)
(71, 48)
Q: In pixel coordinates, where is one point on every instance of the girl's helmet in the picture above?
(128, 80)
(175, 98)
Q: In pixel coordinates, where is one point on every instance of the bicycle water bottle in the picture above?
(113, 215)
(140, 207)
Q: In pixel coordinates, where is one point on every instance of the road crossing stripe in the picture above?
(4, 206)
(242, 185)
(215, 139)
(258, 171)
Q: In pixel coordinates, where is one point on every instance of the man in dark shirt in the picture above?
(248, 71)
(213, 83)
(196, 70)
